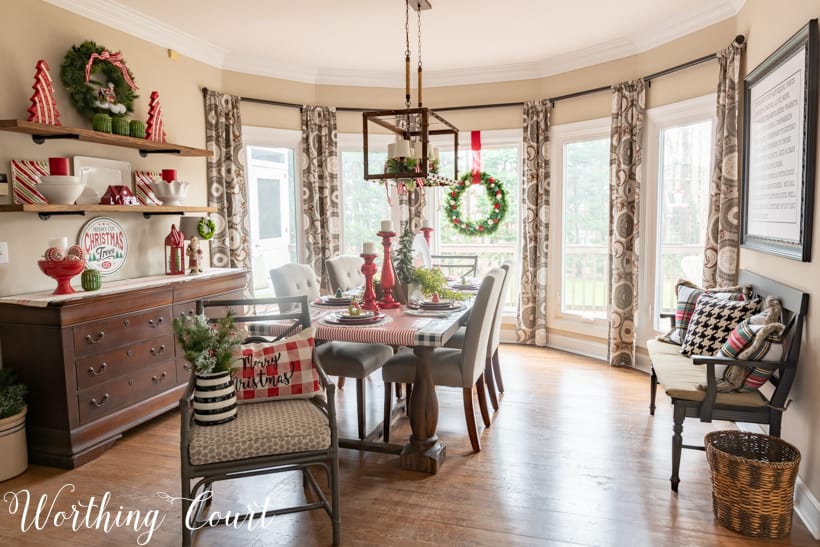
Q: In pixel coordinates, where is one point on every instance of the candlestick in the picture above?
(369, 270)
(388, 279)
(426, 231)
(368, 248)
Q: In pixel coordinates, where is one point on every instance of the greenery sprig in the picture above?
(404, 257)
(208, 346)
(496, 195)
(12, 393)
(432, 280)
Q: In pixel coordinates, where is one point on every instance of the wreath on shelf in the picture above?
(206, 228)
(98, 81)
(497, 196)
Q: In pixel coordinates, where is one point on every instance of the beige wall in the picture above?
(34, 30)
(767, 25)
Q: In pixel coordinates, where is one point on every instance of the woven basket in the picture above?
(752, 482)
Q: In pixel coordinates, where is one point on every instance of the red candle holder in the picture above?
(426, 232)
(388, 280)
(369, 270)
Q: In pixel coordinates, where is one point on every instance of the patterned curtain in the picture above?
(230, 246)
(628, 112)
(723, 227)
(535, 204)
(320, 189)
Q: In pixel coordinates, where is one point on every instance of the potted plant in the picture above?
(209, 347)
(12, 425)
(403, 266)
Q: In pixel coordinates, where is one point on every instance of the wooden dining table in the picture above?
(423, 331)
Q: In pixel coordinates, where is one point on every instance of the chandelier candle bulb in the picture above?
(387, 226)
(391, 150)
(417, 149)
(403, 149)
(368, 248)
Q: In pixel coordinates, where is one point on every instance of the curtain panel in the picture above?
(535, 205)
(723, 223)
(628, 116)
(320, 189)
(230, 246)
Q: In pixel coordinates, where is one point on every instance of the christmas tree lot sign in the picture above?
(105, 245)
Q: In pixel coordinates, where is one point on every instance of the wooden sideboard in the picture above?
(100, 363)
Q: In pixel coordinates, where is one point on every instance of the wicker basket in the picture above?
(752, 482)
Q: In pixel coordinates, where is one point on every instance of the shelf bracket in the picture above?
(47, 215)
(149, 214)
(144, 153)
(40, 139)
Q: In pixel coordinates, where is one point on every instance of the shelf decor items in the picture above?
(43, 107)
(174, 254)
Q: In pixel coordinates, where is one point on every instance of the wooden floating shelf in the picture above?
(46, 211)
(41, 132)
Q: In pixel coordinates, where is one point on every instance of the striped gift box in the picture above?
(142, 187)
(25, 176)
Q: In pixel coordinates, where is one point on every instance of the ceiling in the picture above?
(361, 42)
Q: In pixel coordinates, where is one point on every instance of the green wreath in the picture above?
(88, 97)
(497, 196)
(206, 228)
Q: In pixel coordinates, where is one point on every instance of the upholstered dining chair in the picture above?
(453, 367)
(271, 435)
(492, 368)
(345, 272)
(344, 359)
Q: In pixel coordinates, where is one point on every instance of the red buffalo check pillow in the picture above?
(276, 370)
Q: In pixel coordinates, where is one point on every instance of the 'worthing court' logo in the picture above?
(105, 244)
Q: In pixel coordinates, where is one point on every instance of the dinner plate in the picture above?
(464, 286)
(342, 318)
(105, 172)
(439, 306)
(332, 301)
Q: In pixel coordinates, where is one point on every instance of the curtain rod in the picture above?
(739, 39)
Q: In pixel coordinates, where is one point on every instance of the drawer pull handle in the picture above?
(129, 353)
(95, 339)
(158, 323)
(159, 351)
(92, 372)
(158, 379)
(101, 403)
(126, 322)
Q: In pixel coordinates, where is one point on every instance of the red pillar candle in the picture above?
(58, 166)
(169, 175)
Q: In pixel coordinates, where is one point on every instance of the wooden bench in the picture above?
(680, 375)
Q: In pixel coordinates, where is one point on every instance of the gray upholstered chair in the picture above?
(270, 436)
(344, 359)
(345, 272)
(492, 368)
(452, 367)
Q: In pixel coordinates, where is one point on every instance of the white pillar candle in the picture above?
(387, 226)
(417, 149)
(368, 248)
(426, 223)
(59, 242)
(391, 150)
(403, 149)
(434, 154)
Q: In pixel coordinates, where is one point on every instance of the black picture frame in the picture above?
(779, 149)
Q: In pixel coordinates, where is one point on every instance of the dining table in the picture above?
(420, 329)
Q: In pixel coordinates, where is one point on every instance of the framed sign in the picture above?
(105, 244)
(779, 136)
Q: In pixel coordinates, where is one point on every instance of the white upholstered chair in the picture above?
(452, 367)
(344, 359)
(345, 272)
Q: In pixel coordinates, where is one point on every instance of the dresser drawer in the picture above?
(108, 397)
(101, 367)
(106, 334)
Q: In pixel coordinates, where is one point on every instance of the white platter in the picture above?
(106, 173)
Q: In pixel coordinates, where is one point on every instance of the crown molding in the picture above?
(125, 19)
(114, 14)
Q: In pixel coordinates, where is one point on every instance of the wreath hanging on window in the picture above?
(496, 195)
(98, 81)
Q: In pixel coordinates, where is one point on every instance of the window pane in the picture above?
(684, 203)
(586, 228)
(269, 201)
(364, 202)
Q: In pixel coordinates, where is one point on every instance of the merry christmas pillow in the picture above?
(276, 370)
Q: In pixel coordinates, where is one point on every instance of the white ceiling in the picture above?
(361, 42)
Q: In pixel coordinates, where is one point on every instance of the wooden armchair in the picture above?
(270, 436)
(456, 265)
(680, 375)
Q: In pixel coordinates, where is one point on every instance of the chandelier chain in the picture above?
(418, 18)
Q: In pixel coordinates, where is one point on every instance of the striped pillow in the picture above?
(754, 342)
(687, 297)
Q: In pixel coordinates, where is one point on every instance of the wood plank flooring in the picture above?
(572, 458)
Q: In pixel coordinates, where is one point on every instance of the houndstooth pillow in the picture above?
(687, 294)
(712, 322)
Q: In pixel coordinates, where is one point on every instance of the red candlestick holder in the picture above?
(369, 270)
(388, 280)
(426, 232)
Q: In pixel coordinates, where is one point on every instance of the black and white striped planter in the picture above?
(214, 398)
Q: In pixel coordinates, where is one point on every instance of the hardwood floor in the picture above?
(572, 458)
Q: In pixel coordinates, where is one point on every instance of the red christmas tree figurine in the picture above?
(43, 107)
(154, 127)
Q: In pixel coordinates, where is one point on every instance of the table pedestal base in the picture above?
(420, 458)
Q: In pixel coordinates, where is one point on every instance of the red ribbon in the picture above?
(115, 59)
(475, 147)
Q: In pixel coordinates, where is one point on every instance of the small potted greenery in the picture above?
(12, 425)
(403, 266)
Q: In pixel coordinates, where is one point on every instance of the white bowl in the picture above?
(65, 194)
(170, 193)
(59, 179)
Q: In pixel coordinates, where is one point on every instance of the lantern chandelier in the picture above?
(411, 161)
